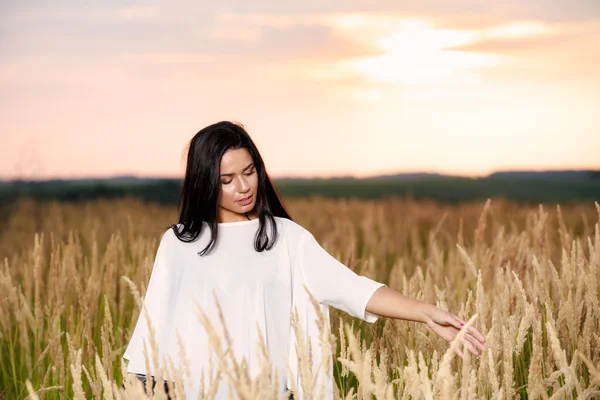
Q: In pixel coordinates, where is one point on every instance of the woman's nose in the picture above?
(243, 186)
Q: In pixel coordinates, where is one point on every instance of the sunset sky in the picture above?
(324, 88)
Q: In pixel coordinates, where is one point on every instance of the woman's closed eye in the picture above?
(247, 174)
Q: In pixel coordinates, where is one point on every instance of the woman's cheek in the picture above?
(229, 194)
(225, 196)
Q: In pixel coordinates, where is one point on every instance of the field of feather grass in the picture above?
(72, 276)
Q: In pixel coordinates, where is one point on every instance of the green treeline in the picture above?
(443, 189)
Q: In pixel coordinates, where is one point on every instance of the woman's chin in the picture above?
(245, 209)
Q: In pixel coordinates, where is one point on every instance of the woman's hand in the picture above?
(447, 326)
(391, 304)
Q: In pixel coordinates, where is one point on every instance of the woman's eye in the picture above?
(247, 174)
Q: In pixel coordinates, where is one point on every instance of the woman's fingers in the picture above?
(470, 342)
(474, 340)
(475, 337)
(471, 347)
(478, 347)
(476, 334)
(472, 330)
(455, 322)
(474, 345)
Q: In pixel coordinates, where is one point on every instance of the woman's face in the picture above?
(239, 180)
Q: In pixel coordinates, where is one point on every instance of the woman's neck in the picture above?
(234, 217)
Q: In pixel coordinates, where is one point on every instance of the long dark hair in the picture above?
(201, 186)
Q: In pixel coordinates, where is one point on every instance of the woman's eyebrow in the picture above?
(248, 166)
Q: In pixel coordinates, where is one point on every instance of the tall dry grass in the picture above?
(72, 279)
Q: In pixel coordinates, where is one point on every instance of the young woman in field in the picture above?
(236, 247)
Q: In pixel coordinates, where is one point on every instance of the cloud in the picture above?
(530, 36)
(137, 13)
(517, 45)
(353, 43)
(549, 10)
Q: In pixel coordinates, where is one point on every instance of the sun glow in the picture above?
(419, 53)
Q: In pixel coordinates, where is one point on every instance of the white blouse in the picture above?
(256, 290)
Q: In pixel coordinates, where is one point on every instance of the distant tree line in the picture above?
(525, 189)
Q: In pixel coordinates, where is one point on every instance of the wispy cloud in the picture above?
(512, 76)
(394, 47)
(138, 12)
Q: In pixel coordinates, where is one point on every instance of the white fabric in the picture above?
(253, 289)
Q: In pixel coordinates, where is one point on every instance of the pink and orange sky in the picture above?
(324, 88)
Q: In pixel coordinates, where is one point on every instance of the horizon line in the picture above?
(308, 177)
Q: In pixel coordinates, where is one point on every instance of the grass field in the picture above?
(530, 275)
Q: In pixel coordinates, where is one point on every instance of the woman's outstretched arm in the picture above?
(389, 303)
(336, 285)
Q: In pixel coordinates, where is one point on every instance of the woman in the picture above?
(237, 248)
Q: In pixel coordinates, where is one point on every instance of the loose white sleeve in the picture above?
(333, 283)
(157, 300)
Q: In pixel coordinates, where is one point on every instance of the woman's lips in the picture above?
(246, 201)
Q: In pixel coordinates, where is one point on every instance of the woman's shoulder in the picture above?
(291, 228)
(178, 226)
(168, 235)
